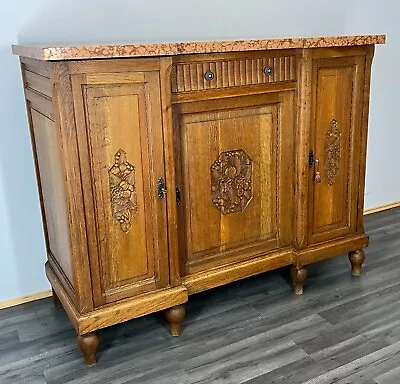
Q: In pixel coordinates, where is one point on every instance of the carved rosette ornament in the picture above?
(231, 181)
(332, 152)
(123, 190)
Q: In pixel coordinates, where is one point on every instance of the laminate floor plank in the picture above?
(343, 330)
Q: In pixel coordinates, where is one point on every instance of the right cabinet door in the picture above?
(336, 126)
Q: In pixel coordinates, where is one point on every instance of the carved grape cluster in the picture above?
(332, 152)
(123, 190)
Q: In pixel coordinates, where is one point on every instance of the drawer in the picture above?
(227, 73)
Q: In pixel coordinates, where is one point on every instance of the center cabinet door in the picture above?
(235, 164)
(121, 148)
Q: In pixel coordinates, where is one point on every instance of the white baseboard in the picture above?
(25, 299)
(382, 208)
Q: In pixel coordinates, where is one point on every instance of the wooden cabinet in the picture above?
(167, 175)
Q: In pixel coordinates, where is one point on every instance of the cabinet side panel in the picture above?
(66, 125)
(47, 152)
(52, 178)
(363, 138)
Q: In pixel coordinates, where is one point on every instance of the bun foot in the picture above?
(356, 259)
(175, 316)
(88, 345)
(298, 274)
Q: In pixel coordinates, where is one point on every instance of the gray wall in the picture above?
(22, 250)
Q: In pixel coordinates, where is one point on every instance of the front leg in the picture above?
(298, 274)
(175, 316)
(88, 344)
(356, 259)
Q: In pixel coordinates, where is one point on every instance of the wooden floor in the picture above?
(342, 330)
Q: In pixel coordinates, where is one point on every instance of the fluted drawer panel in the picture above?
(188, 77)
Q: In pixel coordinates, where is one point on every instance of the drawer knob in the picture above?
(209, 75)
(268, 71)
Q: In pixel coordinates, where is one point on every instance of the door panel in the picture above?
(231, 186)
(128, 220)
(335, 138)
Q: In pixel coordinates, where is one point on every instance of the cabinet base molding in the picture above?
(125, 310)
(227, 274)
(332, 248)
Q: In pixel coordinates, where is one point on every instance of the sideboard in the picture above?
(167, 169)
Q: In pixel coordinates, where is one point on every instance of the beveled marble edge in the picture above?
(167, 49)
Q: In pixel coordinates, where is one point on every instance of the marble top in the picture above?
(167, 49)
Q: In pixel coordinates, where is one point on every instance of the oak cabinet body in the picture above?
(164, 176)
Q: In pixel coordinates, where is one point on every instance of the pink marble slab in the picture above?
(167, 49)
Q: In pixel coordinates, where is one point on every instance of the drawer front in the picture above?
(220, 73)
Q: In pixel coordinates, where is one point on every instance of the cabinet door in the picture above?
(121, 149)
(335, 137)
(235, 160)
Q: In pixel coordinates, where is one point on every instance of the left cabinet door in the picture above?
(119, 123)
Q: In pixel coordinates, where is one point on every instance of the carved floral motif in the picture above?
(332, 152)
(123, 190)
(231, 181)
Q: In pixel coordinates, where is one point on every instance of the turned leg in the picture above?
(56, 300)
(88, 345)
(298, 274)
(356, 259)
(175, 316)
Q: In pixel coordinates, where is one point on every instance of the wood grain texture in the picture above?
(252, 130)
(118, 312)
(121, 113)
(65, 120)
(342, 329)
(170, 171)
(335, 142)
(47, 142)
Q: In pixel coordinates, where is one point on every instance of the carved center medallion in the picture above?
(332, 152)
(123, 190)
(231, 181)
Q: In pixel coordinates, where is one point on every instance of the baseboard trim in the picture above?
(382, 208)
(44, 294)
(25, 299)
